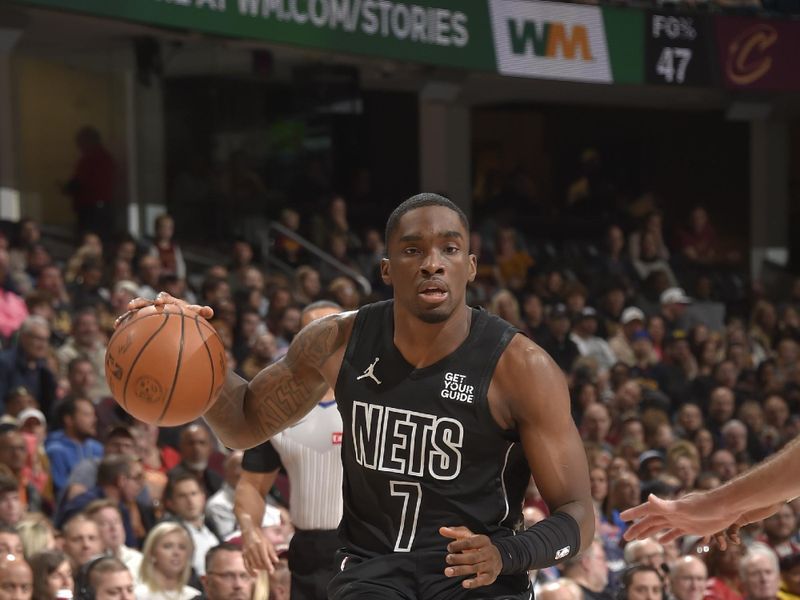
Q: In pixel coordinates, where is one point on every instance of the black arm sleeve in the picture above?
(550, 541)
(261, 459)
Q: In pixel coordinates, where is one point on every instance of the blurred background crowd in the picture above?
(680, 378)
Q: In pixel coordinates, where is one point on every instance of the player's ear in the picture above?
(473, 267)
(386, 271)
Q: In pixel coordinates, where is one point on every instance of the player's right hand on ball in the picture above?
(161, 299)
(259, 553)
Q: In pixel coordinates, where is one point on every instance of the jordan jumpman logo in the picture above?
(369, 372)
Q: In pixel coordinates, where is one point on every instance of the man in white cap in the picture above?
(632, 320)
(673, 308)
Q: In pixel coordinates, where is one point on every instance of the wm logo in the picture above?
(549, 40)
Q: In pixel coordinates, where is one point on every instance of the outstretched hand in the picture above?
(471, 554)
(161, 299)
(693, 514)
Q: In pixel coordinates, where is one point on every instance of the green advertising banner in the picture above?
(452, 33)
(521, 38)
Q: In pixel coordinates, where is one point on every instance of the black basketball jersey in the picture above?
(420, 448)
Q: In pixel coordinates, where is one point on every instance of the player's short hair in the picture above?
(223, 547)
(420, 201)
(318, 305)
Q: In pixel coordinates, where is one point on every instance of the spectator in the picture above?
(219, 509)
(557, 342)
(166, 564)
(19, 399)
(108, 579)
(14, 456)
(734, 438)
(81, 539)
(87, 341)
(16, 579)
(343, 291)
(307, 285)
(721, 407)
(10, 542)
(106, 513)
(166, 249)
(589, 344)
(642, 582)
(596, 424)
(673, 309)
(760, 573)
(646, 552)
(83, 477)
(533, 317)
(68, 446)
(723, 463)
(226, 577)
(92, 184)
(52, 575)
(505, 305)
(790, 577)
(649, 261)
(632, 321)
(148, 273)
(612, 261)
(590, 571)
(119, 478)
(11, 509)
(87, 290)
(13, 310)
(688, 578)
(653, 226)
(186, 501)
(780, 530)
(513, 262)
(698, 240)
(195, 450)
(36, 533)
(288, 326)
(25, 364)
(561, 589)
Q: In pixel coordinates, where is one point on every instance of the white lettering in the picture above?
(418, 24)
(401, 21)
(460, 32)
(385, 6)
(393, 440)
(249, 7)
(442, 27)
(370, 26)
(297, 16)
(319, 12)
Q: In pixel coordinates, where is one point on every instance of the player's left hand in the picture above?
(471, 554)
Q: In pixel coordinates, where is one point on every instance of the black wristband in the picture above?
(547, 543)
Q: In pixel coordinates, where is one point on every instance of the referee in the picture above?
(310, 451)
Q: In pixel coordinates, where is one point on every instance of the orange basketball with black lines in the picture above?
(165, 365)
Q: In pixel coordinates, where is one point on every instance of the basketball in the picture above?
(165, 365)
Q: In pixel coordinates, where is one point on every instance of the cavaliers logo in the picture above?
(148, 389)
(748, 60)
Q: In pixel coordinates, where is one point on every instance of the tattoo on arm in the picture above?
(246, 415)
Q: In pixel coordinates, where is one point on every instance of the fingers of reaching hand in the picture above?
(472, 555)
(646, 527)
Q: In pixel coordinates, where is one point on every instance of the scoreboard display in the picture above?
(678, 49)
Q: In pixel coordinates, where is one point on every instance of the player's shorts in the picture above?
(414, 576)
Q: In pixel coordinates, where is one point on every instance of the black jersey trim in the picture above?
(482, 399)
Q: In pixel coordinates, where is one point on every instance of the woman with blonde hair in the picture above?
(506, 306)
(36, 534)
(166, 564)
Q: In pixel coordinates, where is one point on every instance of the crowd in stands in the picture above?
(672, 391)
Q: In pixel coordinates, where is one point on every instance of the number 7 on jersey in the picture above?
(412, 498)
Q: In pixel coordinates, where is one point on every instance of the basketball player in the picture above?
(721, 512)
(311, 452)
(446, 413)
